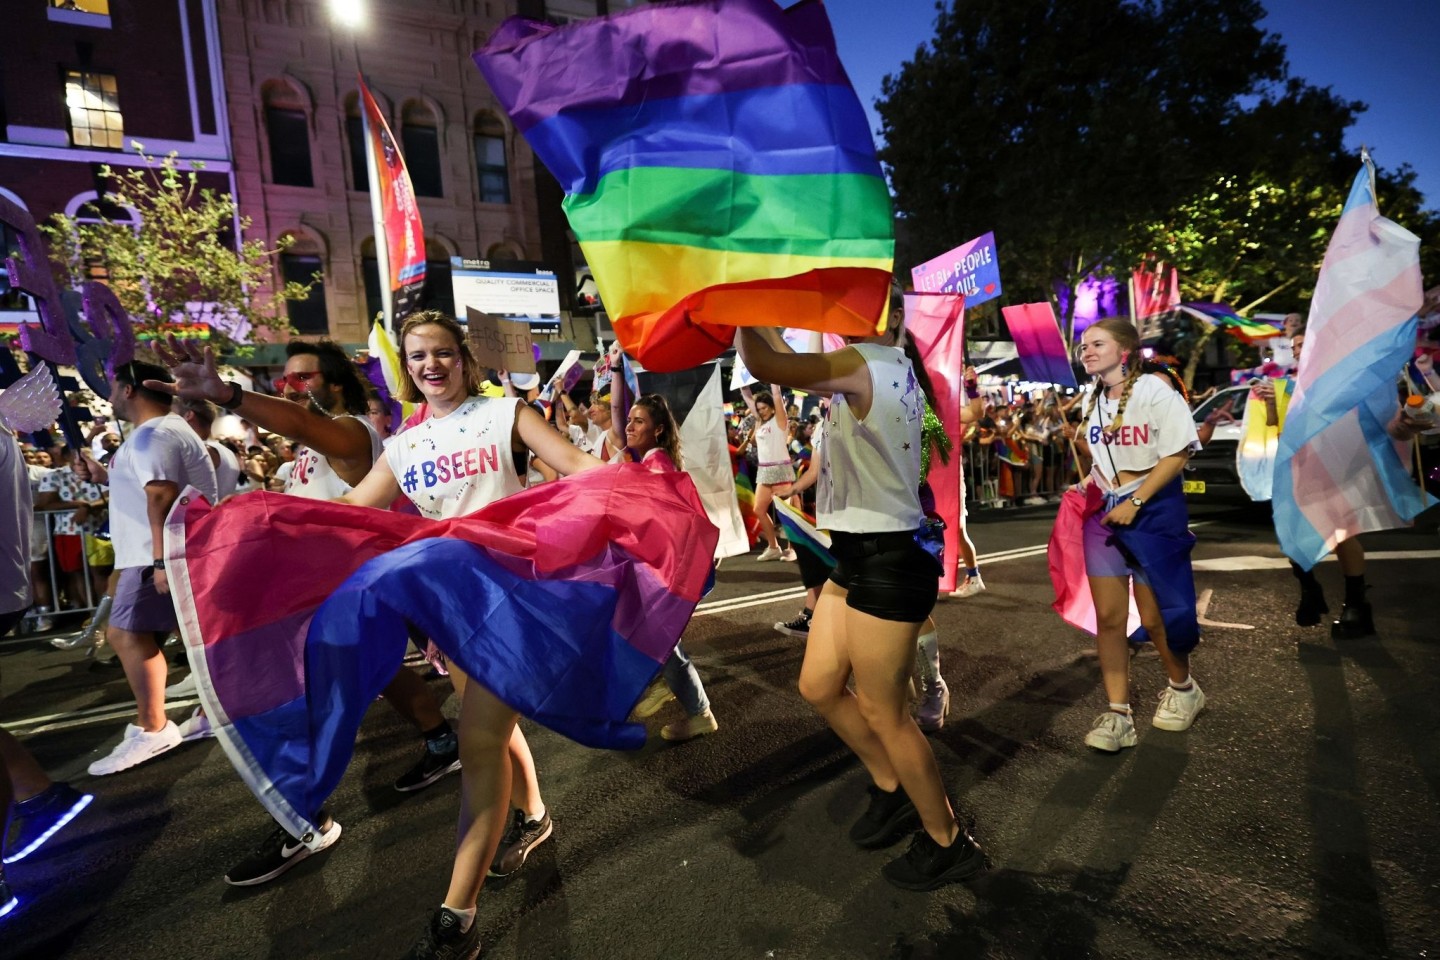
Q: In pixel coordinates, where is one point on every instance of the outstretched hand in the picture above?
(193, 368)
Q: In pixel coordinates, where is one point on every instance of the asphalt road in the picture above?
(1300, 817)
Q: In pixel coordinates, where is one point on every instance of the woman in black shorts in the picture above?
(871, 610)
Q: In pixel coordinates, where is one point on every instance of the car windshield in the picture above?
(1239, 394)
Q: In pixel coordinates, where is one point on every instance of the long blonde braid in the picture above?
(1136, 371)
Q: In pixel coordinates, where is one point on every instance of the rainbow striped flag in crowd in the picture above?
(1337, 472)
(718, 169)
(563, 600)
(1219, 315)
(801, 531)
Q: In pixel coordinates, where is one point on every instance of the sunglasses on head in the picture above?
(297, 380)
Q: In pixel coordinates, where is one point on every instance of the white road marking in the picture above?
(1202, 606)
(1282, 563)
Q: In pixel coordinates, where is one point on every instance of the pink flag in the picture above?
(937, 324)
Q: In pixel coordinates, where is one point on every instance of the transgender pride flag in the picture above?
(718, 169)
(1337, 472)
(562, 600)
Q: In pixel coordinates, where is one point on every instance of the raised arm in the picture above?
(769, 358)
(558, 452)
(340, 438)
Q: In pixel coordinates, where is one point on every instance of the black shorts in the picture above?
(887, 575)
(813, 571)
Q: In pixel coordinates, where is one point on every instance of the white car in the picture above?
(1211, 474)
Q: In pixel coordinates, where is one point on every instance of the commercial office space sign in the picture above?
(512, 290)
(971, 270)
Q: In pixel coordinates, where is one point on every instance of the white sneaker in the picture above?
(1036, 501)
(1111, 733)
(196, 727)
(933, 707)
(769, 553)
(788, 555)
(690, 728)
(970, 587)
(1179, 708)
(184, 688)
(137, 747)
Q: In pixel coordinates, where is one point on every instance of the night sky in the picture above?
(1383, 53)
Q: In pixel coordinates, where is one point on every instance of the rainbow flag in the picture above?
(1219, 315)
(1337, 472)
(718, 169)
(800, 530)
(563, 600)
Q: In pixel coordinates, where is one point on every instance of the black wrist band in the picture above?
(158, 564)
(237, 394)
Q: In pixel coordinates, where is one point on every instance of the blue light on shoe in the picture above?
(39, 841)
(7, 908)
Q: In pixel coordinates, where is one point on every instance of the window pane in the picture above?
(422, 159)
(308, 315)
(491, 170)
(439, 294)
(289, 147)
(94, 107)
(355, 135)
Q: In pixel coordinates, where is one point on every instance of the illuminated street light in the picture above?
(348, 13)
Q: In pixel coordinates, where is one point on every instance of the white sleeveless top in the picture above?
(870, 476)
(771, 444)
(312, 476)
(227, 473)
(453, 465)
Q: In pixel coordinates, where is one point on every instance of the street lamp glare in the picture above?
(348, 13)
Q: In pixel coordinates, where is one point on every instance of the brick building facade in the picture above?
(77, 86)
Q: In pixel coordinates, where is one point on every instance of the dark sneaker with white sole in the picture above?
(927, 865)
(432, 766)
(42, 816)
(521, 836)
(279, 852)
(888, 817)
(445, 940)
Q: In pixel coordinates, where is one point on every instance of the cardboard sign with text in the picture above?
(500, 344)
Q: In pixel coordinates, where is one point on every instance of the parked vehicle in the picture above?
(1211, 475)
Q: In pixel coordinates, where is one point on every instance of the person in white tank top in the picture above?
(322, 407)
(451, 464)
(869, 614)
(774, 474)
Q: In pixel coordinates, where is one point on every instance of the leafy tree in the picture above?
(1060, 124)
(181, 252)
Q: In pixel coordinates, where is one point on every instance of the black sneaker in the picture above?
(799, 627)
(927, 865)
(432, 766)
(42, 816)
(444, 940)
(889, 817)
(1312, 605)
(279, 852)
(1355, 622)
(521, 836)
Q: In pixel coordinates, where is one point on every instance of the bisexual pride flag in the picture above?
(1337, 472)
(1039, 343)
(718, 169)
(563, 601)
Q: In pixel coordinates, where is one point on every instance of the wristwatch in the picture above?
(158, 564)
(1138, 502)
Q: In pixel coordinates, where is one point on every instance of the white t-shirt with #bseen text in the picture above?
(1157, 424)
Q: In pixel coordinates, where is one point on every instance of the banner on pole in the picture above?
(404, 234)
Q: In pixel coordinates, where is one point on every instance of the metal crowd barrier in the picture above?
(49, 518)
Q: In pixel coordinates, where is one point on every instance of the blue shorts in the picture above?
(1103, 556)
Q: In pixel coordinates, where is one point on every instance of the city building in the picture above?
(86, 79)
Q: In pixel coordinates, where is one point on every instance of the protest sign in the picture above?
(500, 344)
(970, 270)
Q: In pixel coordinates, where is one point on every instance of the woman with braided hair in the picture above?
(1140, 434)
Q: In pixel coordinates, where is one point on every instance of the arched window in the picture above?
(287, 128)
(355, 140)
(491, 166)
(439, 293)
(420, 139)
(302, 263)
